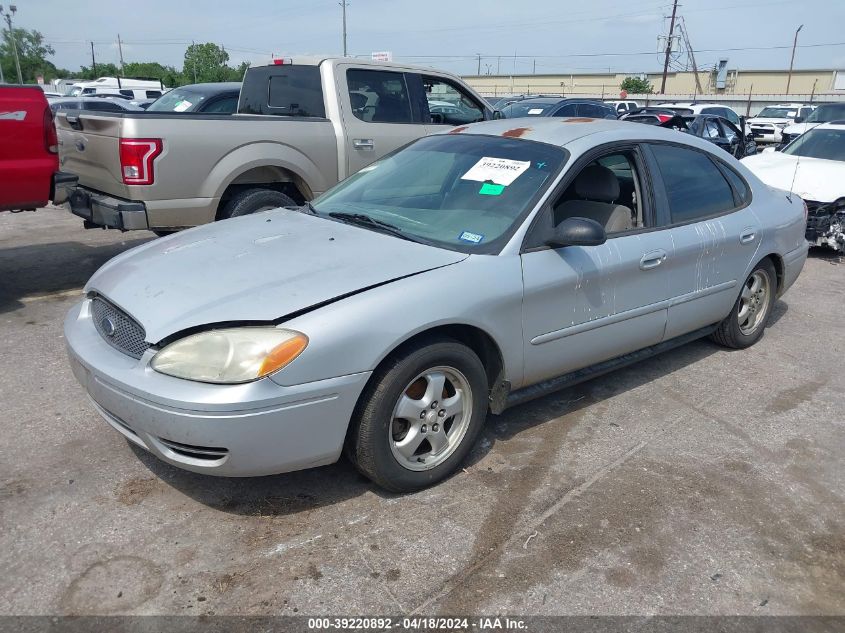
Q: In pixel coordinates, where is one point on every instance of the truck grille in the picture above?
(118, 329)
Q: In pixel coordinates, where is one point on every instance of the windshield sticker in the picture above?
(182, 106)
(501, 171)
(535, 111)
(489, 189)
(466, 236)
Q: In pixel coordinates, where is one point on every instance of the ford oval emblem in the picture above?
(108, 326)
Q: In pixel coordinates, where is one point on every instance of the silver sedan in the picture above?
(464, 274)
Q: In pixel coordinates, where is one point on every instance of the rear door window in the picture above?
(283, 90)
(594, 110)
(379, 96)
(695, 188)
(568, 110)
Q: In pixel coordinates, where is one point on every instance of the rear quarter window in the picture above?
(284, 90)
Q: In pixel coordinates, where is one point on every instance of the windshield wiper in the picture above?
(361, 219)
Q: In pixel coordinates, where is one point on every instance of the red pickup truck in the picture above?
(29, 159)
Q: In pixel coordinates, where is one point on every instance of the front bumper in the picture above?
(258, 428)
(99, 209)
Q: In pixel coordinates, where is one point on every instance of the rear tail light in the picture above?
(51, 139)
(136, 160)
(664, 117)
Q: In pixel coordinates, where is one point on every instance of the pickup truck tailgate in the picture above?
(89, 147)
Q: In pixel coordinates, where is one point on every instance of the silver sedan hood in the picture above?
(260, 267)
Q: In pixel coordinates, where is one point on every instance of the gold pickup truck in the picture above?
(301, 126)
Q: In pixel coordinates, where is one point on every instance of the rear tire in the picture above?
(419, 416)
(747, 321)
(252, 200)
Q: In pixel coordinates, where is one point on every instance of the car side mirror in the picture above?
(437, 118)
(497, 114)
(799, 119)
(769, 150)
(577, 232)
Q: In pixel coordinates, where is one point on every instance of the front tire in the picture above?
(746, 322)
(420, 416)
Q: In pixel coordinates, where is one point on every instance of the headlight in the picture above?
(230, 356)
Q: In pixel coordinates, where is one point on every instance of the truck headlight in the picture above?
(230, 356)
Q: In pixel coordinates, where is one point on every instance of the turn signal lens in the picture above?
(230, 356)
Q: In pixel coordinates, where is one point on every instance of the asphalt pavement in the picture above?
(702, 481)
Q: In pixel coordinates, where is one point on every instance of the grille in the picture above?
(118, 329)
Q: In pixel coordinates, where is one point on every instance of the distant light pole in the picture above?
(479, 63)
(792, 59)
(8, 15)
(344, 4)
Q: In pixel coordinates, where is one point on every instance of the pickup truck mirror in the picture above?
(577, 232)
(799, 119)
(769, 150)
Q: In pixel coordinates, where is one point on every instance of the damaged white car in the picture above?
(812, 166)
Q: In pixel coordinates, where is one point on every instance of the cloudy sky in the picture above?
(546, 35)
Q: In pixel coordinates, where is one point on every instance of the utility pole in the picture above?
(668, 47)
(344, 4)
(683, 26)
(93, 61)
(499, 65)
(120, 49)
(792, 59)
(194, 51)
(8, 16)
(479, 64)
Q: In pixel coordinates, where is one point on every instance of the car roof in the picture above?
(562, 131)
(215, 87)
(556, 100)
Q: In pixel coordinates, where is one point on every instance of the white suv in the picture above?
(770, 122)
(824, 113)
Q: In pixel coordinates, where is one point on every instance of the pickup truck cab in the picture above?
(301, 126)
(29, 159)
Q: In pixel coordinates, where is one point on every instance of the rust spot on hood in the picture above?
(458, 130)
(578, 120)
(516, 132)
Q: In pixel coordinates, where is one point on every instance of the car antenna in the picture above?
(794, 176)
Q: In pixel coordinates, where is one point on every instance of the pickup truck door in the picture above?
(378, 114)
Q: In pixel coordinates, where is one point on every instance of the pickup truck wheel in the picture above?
(253, 200)
(746, 323)
(419, 416)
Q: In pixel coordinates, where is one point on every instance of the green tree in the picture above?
(32, 53)
(168, 75)
(206, 62)
(102, 70)
(637, 86)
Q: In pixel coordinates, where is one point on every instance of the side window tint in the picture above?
(226, 105)
(593, 110)
(379, 96)
(567, 110)
(448, 105)
(695, 187)
(129, 94)
(153, 94)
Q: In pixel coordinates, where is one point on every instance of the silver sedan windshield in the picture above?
(459, 191)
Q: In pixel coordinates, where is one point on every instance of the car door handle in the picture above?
(747, 236)
(653, 259)
(363, 143)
